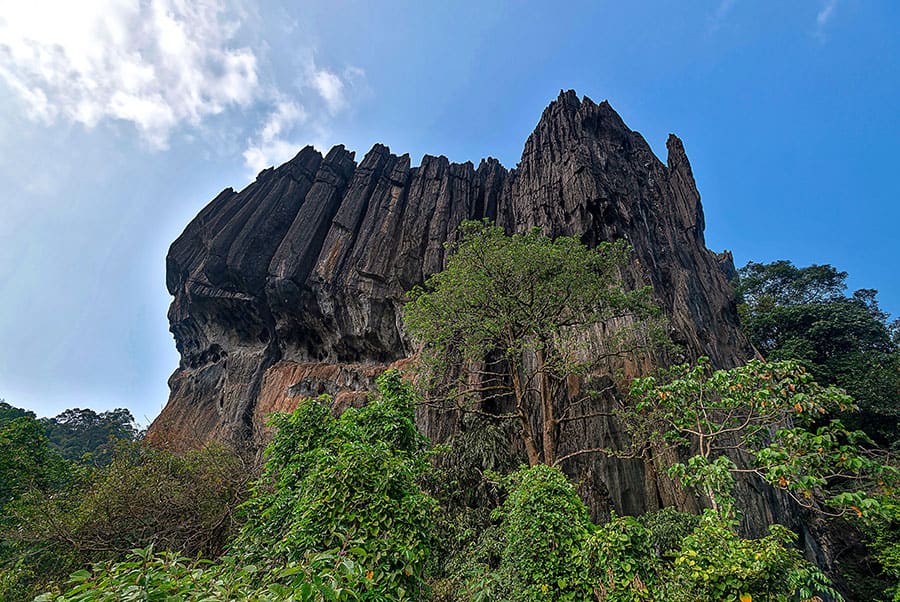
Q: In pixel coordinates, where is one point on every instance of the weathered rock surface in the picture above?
(293, 286)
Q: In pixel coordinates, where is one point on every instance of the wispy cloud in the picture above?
(331, 88)
(825, 13)
(721, 13)
(155, 64)
(290, 126)
(165, 67)
(269, 146)
(824, 17)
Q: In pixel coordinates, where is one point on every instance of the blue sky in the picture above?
(120, 119)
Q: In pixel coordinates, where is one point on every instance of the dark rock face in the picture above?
(293, 286)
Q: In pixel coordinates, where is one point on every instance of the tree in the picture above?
(781, 283)
(26, 460)
(771, 417)
(28, 467)
(9, 413)
(517, 313)
(802, 314)
(772, 422)
(81, 435)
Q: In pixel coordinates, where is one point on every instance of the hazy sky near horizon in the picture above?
(121, 119)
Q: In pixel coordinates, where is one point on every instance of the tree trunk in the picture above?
(534, 457)
(548, 416)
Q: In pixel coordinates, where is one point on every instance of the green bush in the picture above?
(338, 514)
(876, 574)
(171, 577)
(544, 548)
(481, 445)
(622, 564)
(546, 526)
(668, 529)
(716, 564)
(341, 496)
(144, 497)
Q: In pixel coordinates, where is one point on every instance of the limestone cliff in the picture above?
(293, 286)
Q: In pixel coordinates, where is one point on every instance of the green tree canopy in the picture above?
(26, 460)
(802, 313)
(750, 413)
(517, 312)
(77, 432)
(9, 413)
(782, 283)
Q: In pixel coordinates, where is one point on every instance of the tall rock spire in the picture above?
(293, 286)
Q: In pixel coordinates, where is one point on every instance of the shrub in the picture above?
(143, 497)
(715, 564)
(622, 563)
(546, 526)
(341, 496)
(668, 529)
(170, 576)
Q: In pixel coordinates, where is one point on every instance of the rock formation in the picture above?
(293, 286)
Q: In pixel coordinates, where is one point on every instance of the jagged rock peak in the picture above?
(295, 284)
(568, 108)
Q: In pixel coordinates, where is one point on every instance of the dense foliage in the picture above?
(28, 467)
(514, 312)
(338, 514)
(144, 497)
(360, 506)
(546, 548)
(27, 462)
(545, 525)
(771, 421)
(776, 415)
(83, 436)
(9, 413)
(802, 314)
(344, 493)
(87, 436)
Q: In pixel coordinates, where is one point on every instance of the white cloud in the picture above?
(331, 88)
(824, 17)
(156, 64)
(164, 66)
(278, 139)
(270, 146)
(825, 14)
(262, 155)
